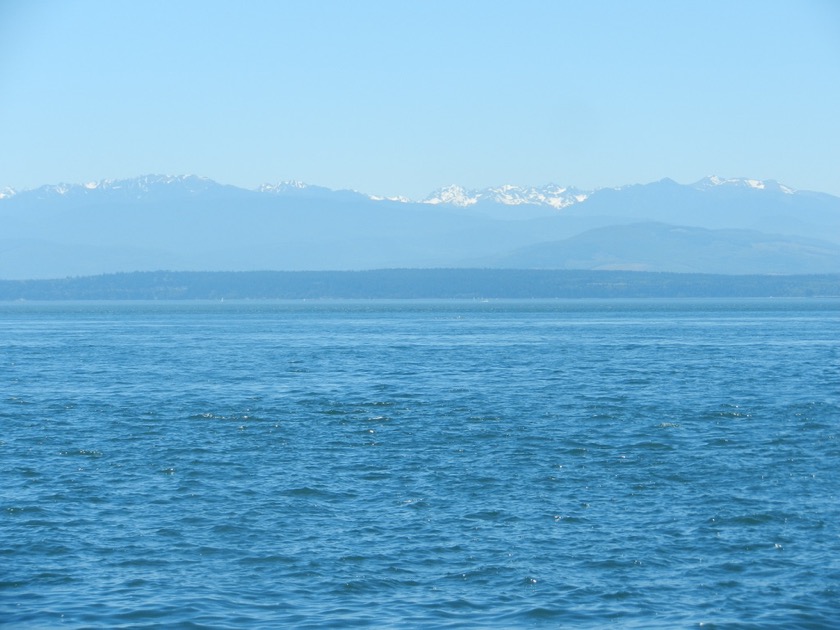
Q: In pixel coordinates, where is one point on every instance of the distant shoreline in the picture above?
(416, 284)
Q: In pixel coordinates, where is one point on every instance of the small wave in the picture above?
(83, 452)
(306, 491)
(491, 515)
(651, 446)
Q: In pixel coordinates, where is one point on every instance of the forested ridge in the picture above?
(415, 284)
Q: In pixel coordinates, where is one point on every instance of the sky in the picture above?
(402, 97)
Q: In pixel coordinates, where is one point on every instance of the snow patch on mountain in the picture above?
(453, 195)
(399, 198)
(557, 197)
(713, 181)
(281, 187)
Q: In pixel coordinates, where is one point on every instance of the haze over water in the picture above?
(437, 464)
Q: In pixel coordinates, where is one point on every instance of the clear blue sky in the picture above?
(402, 97)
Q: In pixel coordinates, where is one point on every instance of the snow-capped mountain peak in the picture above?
(398, 198)
(550, 195)
(557, 197)
(284, 186)
(530, 198)
(132, 187)
(454, 195)
(192, 183)
(713, 181)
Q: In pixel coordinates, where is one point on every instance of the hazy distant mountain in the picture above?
(193, 223)
(148, 187)
(663, 247)
(720, 204)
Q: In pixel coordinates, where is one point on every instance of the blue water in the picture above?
(420, 464)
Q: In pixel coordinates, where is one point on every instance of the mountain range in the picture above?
(190, 223)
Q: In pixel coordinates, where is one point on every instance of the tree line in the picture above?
(415, 284)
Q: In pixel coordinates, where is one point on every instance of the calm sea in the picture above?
(420, 464)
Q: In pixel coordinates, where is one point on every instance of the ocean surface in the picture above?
(649, 464)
